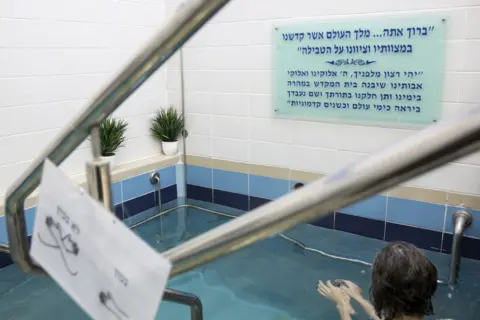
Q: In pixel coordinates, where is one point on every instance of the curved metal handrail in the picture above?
(191, 300)
(423, 152)
(163, 45)
(4, 247)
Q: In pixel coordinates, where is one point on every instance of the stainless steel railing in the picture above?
(188, 299)
(423, 152)
(184, 24)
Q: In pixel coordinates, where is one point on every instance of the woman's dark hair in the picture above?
(404, 282)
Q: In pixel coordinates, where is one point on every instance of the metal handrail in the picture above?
(4, 247)
(422, 152)
(182, 26)
(191, 300)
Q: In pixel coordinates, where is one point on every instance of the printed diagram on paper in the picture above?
(93, 256)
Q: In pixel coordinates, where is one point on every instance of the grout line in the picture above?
(81, 22)
(58, 75)
(248, 191)
(85, 99)
(41, 104)
(213, 189)
(121, 198)
(386, 218)
(137, 196)
(334, 220)
(444, 225)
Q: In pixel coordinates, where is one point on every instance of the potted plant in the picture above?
(167, 125)
(112, 137)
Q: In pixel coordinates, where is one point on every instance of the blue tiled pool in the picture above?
(272, 279)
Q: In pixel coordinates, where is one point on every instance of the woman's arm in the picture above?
(344, 311)
(356, 293)
(367, 306)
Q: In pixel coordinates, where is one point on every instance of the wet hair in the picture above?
(404, 282)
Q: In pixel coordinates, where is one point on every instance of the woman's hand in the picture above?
(354, 291)
(337, 295)
(351, 289)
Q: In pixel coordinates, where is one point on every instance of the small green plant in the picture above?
(167, 125)
(112, 135)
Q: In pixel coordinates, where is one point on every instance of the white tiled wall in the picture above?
(228, 87)
(54, 56)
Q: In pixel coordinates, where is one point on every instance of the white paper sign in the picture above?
(109, 271)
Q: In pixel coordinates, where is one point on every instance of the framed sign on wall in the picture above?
(381, 70)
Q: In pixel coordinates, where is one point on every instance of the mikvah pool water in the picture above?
(271, 279)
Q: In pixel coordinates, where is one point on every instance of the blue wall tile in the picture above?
(257, 202)
(30, 219)
(117, 192)
(416, 213)
(293, 182)
(268, 188)
(136, 186)
(373, 207)
(199, 193)
(3, 230)
(230, 199)
(118, 210)
(168, 194)
(473, 231)
(167, 176)
(422, 238)
(199, 176)
(325, 222)
(5, 260)
(358, 225)
(469, 246)
(236, 182)
(181, 182)
(135, 206)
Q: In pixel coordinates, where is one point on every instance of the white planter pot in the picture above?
(170, 148)
(111, 160)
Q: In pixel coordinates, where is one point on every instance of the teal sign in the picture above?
(377, 71)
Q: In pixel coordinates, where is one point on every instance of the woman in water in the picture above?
(404, 282)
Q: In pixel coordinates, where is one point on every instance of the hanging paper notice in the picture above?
(376, 70)
(109, 271)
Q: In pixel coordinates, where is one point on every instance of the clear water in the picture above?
(272, 279)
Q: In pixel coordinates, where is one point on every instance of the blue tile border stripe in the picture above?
(230, 181)
(268, 188)
(416, 213)
(413, 213)
(199, 176)
(373, 208)
(123, 192)
(380, 217)
(229, 199)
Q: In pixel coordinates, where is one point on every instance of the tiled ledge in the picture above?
(120, 172)
(406, 192)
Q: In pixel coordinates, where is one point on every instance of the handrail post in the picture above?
(194, 14)
(429, 149)
(98, 173)
(191, 300)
